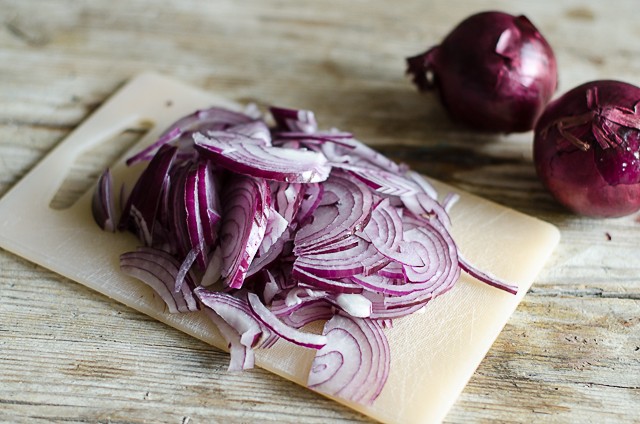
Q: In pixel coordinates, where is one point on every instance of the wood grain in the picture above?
(571, 352)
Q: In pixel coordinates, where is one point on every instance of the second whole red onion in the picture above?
(587, 149)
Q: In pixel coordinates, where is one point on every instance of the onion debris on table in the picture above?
(493, 72)
(268, 229)
(587, 149)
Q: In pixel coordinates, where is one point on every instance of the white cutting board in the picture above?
(433, 353)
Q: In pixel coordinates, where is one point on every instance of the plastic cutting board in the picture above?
(434, 353)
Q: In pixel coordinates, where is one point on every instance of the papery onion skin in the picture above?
(494, 72)
(587, 149)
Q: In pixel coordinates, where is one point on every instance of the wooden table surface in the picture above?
(570, 353)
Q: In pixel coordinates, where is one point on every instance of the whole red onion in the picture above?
(494, 72)
(587, 149)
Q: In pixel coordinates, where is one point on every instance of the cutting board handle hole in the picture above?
(88, 166)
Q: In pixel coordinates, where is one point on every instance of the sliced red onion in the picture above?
(142, 206)
(159, 271)
(208, 202)
(311, 196)
(307, 312)
(439, 253)
(294, 120)
(323, 220)
(370, 384)
(247, 330)
(355, 305)
(289, 239)
(384, 231)
(345, 217)
(293, 144)
(102, 203)
(259, 262)
(242, 156)
(397, 306)
(178, 138)
(213, 118)
(213, 273)
(254, 129)
(449, 200)
(333, 246)
(298, 295)
(388, 286)
(485, 277)
(294, 298)
(392, 270)
(230, 138)
(355, 152)
(195, 227)
(422, 182)
(316, 282)
(276, 226)
(354, 364)
(382, 181)
(148, 152)
(242, 357)
(164, 216)
(180, 244)
(364, 258)
(284, 274)
(287, 198)
(315, 138)
(235, 312)
(423, 205)
(386, 308)
(185, 267)
(271, 287)
(243, 226)
(310, 340)
(329, 198)
(336, 152)
(391, 299)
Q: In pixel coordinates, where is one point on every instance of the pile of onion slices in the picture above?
(269, 227)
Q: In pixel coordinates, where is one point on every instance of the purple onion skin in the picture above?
(587, 149)
(486, 84)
